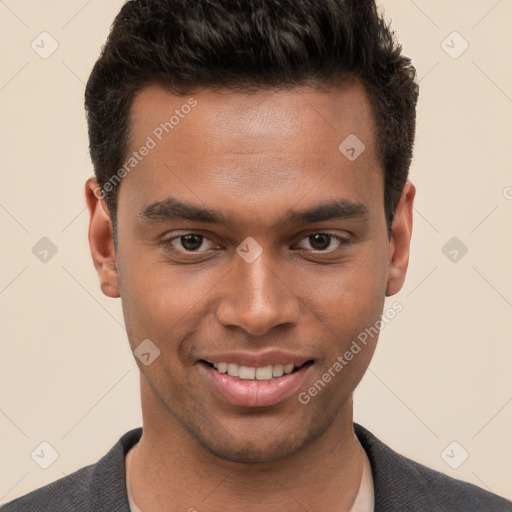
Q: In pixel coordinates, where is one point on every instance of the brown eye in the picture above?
(187, 243)
(191, 242)
(323, 242)
(320, 241)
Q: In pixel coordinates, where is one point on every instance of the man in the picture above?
(251, 208)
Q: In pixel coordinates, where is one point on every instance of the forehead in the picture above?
(262, 116)
(256, 147)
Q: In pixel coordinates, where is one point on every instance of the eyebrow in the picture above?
(172, 209)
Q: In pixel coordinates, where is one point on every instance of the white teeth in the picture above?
(264, 373)
(251, 373)
(233, 370)
(277, 370)
(288, 368)
(246, 372)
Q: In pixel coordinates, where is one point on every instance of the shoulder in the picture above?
(68, 493)
(403, 484)
(94, 488)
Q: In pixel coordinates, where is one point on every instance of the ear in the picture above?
(401, 232)
(101, 240)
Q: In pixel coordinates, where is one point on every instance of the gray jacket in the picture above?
(400, 485)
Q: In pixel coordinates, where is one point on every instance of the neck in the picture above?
(169, 471)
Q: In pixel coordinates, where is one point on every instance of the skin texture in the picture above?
(253, 156)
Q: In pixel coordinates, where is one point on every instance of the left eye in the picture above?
(322, 241)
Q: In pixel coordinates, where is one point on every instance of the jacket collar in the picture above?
(108, 484)
(389, 471)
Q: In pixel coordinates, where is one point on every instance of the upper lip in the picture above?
(257, 359)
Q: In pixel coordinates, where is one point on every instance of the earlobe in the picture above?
(101, 241)
(400, 242)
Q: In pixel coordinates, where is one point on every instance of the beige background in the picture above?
(442, 370)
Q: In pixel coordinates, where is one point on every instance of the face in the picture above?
(249, 243)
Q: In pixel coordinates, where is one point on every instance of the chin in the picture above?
(254, 452)
(253, 443)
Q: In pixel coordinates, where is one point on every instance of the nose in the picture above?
(256, 298)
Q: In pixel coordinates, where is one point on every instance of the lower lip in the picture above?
(255, 393)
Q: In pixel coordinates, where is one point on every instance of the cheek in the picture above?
(356, 289)
(350, 309)
(145, 297)
(160, 302)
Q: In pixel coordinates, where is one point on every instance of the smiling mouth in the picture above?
(262, 373)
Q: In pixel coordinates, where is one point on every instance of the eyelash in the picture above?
(167, 243)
